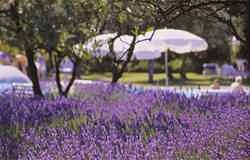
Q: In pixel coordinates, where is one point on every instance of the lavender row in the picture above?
(103, 121)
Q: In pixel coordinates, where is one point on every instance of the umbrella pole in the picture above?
(166, 67)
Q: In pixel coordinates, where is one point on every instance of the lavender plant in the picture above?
(102, 121)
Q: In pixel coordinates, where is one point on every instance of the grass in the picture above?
(193, 79)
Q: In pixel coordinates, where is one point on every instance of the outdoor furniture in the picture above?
(210, 69)
(227, 70)
(241, 65)
(66, 66)
(41, 67)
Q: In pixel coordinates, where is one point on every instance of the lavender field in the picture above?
(104, 122)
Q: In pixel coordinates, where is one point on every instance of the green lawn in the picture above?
(193, 79)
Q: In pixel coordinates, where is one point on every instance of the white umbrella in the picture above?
(178, 41)
(11, 77)
(10, 74)
(98, 45)
(143, 49)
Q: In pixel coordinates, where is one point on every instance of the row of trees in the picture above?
(56, 26)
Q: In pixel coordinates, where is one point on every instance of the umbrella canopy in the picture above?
(99, 44)
(178, 41)
(10, 74)
(144, 50)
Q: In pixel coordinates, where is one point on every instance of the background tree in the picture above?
(17, 29)
(212, 16)
(51, 25)
(126, 17)
(232, 15)
(58, 25)
(76, 22)
(216, 34)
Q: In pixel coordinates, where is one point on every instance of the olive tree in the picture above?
(77, 21)
(17, 29)
(55, 26)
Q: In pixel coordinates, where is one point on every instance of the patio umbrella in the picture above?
(11, 78)
(98, 45)
(144, 50)
(178, 41)
(10, 74)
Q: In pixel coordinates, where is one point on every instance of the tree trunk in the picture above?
(248, 34)
(50, 66)
(58, 76)
(182, 70)
(170, 72)
(65, 92)
(32, 72)
(116, 75)
(72, 79)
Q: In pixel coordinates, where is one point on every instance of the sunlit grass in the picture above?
(193, 79)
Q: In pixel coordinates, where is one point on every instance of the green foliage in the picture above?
(176, 64)
(59, 25)
(55, 26)
(149, 29)
(9, 49)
